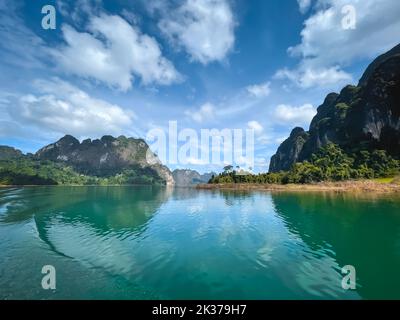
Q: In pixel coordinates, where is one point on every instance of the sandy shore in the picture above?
(347, 186)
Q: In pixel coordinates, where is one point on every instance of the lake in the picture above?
(158, 243)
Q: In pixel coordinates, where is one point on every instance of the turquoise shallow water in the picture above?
(154, 243)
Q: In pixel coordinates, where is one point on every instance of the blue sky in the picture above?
(126, 67)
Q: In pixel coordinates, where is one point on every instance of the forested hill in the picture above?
(108, 160)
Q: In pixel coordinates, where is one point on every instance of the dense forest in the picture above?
(29, 171)
(330, 163)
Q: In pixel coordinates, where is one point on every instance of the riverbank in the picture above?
(369, 186)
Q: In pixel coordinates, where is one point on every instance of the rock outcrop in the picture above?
(289, 151)
(363, 117)
(105, 157)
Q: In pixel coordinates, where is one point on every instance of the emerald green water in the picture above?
(154, 243)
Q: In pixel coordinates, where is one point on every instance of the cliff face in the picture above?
(363, 117)
(289, 151)
(105, 157)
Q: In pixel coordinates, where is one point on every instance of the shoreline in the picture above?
(368, 186)
(345, 186)
(81, 185)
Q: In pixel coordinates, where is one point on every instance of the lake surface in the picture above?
(155, 243)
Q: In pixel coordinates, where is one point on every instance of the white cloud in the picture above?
(195, 161)
(325, 42)
(259, 90)
(310, 77)
(304, 5)
(79, 10)
(113, 51)
(264, 140)
(326, 47)
(63, 108)
(296, 116)
(206, 112)
(256, 126)
(204, 28)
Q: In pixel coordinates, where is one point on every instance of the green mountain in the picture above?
(8, 153)
(361, 120)
(107, 160)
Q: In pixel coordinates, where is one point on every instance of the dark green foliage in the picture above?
(13, 178)
(341, 110)
(27, 171)
(379, 162)
(329, 163)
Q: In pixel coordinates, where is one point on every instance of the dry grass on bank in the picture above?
(370, 186)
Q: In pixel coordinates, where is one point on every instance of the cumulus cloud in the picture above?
(204, 113)
(256, 126)
(326, 47)
(204, 28)
(259, 90)
(63, 108)
(309, 77)
(296, 116)
(114, 52)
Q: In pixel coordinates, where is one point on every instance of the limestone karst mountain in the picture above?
(363, 117)
(107, 160)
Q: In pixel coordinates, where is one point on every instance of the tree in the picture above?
(228, 169)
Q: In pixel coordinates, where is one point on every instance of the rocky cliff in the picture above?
(363, 117)
(105, 157)
(289, 151)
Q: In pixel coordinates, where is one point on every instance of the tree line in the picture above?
(330, 163)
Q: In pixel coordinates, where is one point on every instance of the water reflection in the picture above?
(104, 208)
(201, 244)
(359, 231)
(91, 224)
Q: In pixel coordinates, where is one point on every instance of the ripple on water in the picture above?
(199, 245)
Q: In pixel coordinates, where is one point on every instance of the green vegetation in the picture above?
(384, 180)
(29, 171)
(341, 110)
(330, 163)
